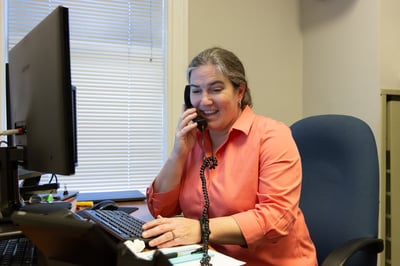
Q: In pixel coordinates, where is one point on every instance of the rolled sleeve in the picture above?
(163, 203)
(254, 230)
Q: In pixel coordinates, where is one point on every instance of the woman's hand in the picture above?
(171, 232)
(185, 135)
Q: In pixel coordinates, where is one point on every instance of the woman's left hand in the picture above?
(171, 232)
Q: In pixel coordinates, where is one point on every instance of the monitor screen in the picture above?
(41, 99)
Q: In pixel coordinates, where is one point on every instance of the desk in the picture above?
(53, 233)
(9, 230)
(60, 239)
(142, 213)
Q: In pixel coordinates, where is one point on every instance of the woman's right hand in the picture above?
(185, 134)
(185, 137)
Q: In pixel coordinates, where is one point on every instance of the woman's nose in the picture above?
(206, 99)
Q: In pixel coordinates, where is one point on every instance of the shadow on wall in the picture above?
(314, 13)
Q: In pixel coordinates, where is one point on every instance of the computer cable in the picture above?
(8, 132)
(53, 176)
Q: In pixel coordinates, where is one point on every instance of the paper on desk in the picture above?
(217, 258)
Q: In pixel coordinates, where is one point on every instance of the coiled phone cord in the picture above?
(211, 163)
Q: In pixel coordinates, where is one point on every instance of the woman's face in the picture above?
(215, 97)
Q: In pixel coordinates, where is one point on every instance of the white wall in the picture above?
(390, 44)
(341, 59)
(302, 57)
(266, 37)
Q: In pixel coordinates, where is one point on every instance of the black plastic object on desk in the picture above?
(113, 206)
(124, 195)
(47, 208)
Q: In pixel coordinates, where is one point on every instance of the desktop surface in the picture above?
(9, 230)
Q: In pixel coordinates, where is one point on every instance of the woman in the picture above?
(252, 189)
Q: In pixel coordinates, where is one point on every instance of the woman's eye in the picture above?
(216, 89)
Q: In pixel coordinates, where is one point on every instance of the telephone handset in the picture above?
(201, 121)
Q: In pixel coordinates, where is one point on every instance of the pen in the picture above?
(183, 253)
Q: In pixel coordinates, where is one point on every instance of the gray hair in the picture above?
(228, 64)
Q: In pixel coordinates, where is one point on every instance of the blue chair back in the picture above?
(340, 189)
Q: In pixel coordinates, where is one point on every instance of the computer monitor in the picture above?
(41, 103)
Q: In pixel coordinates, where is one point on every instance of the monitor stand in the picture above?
(9, 188)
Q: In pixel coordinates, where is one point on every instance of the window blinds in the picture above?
(118, 66)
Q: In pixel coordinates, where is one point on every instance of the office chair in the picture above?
(340, 189)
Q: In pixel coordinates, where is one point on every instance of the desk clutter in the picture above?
(75, 200)
(65, 237)
(61, 229)
(85, 238)
(52, 226)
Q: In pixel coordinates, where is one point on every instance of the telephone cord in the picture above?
(211, 163)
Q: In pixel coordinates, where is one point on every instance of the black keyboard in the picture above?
(17, 251)
(118, 223)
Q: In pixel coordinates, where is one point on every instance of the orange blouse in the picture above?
(257, 181)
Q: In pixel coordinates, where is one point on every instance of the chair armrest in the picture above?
(342, 253)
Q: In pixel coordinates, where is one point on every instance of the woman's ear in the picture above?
(242, 89)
